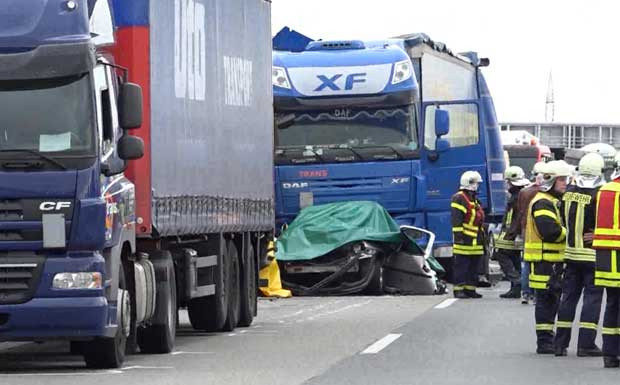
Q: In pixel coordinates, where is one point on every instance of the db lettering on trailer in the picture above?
(189, 50)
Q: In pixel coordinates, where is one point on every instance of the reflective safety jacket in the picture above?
(607, 235)
(467, 220)
(509, 217)
(545, 236)
(579, 210)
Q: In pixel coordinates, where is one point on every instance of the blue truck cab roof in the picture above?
(45, 38)
(343, 73)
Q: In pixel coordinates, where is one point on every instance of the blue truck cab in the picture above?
(395, 121)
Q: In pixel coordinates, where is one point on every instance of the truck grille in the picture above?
(11, 210)
(19, 278)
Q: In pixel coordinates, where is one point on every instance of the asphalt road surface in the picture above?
(352, 340)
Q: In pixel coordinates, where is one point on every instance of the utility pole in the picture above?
(550, 103)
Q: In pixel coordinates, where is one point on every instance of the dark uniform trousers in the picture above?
(547, 301)
(466, 271)
(611, 323)
(510, 262)
(578, 277)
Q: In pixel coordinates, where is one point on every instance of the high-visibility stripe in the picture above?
(458, 288)
(611, 186)
(580, 254)
(602, 231)
(545, 246)
(564, 324)
(538, 285)
(562, 235)
(588, 325)
(469, 287)
(615, 212)
(459, 207)
(611, 331)
(605, 244)
(544, 327)
(471, 227)
(547, 213)
(606, 282)
(457, 229)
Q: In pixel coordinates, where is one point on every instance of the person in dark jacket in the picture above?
(507, 248)
(517, 227)
(579, 212)
(467, 228)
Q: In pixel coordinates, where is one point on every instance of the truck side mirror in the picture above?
(442, 122)
(130, 106)
(130, 147)
(441, 145)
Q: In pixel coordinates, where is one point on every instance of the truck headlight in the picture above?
(279, 78)
(402, 71)
(90, 280)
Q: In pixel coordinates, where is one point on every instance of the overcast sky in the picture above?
(578, 41)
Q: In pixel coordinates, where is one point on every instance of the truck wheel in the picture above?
(109, 353)
(248, 288)
(158, 337)
(209, 313)
(234, 288)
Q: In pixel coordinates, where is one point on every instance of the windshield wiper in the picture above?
(399, 155)
(346, 147)
(37, 153)
(303, 150)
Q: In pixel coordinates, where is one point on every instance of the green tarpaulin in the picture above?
(317, 230)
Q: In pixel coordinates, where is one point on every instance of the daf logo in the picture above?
(294, 185)
(54, 206)
(400, 180)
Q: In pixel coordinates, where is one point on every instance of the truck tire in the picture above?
(109, 353)
(249, 289)
(210, 313)
(158, 336)
(234, 287)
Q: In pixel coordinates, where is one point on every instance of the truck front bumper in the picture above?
(55, 319)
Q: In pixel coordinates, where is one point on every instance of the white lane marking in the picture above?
(232, 334)
(179, 353)
(446, 303)
(148, 367)
(381, 344)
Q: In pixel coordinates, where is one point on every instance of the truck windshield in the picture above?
(349, 127)
(52, 116)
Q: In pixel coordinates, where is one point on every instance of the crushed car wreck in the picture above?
(356, 247)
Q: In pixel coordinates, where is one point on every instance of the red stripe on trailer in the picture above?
(133, 51)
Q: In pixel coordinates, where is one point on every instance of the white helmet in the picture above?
(538, 168)
(515, 176)
(616, 172)
(590, 171)
(553, 170)
(470, 180)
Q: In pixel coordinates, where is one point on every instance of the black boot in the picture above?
(460, 294)
(560, 352)
(611, 362)
(472, 294)
(545, 349)
(594, 351)
(514, 292)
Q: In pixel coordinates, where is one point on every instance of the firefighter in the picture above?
(545, 238)
(467, 220)
(507, 249)
(607, 270)
(579, 213)
(517, 227)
